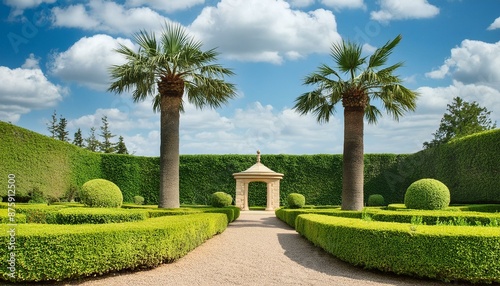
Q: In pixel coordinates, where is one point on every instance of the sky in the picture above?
(56, 55)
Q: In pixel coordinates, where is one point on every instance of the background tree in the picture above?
(366, 81)
(52, 125)
(120, 146)
(106, 145)
(61, 131)
(167, 69)
(92, 142)
(78, 138)
(463, 118)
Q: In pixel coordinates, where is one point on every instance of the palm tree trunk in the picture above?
(353, 159)
(169, 152)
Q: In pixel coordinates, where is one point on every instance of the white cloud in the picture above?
(439, 73)
(495, 24)
(265, 31)
(368, 49)
(19, 6)
(110, 17)
(26, 88)
(434, 100)
(472, 62)
(74, 16)
(87, 61)
(167, 6)
(400, 10)
(344, 4)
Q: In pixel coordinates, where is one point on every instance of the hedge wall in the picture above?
(467, 166)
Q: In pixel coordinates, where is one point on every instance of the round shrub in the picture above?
(101, 193)
(427, 194)
(221, 199)
(296, 201)
(376, 200)
(138, 200)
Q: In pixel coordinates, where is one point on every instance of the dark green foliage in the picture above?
(43, 251)
(468, 166)
(121, 148)
(427, 194)
(36, 196)
(101, 193)
(376, 200)
(91, 142)
(106, 145)
(220, 200)
(463, 118)
(61, 131)
(138, 200)
(78, 138)
(447, 253)
(52, 125)
(295, 201)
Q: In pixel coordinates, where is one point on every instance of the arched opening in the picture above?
(257, 194)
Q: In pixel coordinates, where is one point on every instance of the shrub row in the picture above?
(448, 253)
(58, 252)
(469, 167)
(436, 217)
(13, 218)
(59, 214)
(289, 216)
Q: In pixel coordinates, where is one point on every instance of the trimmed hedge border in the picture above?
(448, 253)
(290, 215)
(57, 252)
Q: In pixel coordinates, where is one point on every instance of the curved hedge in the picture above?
(447, 253)
(43, 251)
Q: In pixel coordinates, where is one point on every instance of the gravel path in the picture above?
(256, 249)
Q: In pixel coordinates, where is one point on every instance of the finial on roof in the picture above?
(258, 156)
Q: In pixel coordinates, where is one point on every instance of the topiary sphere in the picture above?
(376, 200)
(427, 194)
(101, 193)
(296, 201)
(221, 199)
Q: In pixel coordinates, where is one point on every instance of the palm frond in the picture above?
(380, 56)
(347, 56)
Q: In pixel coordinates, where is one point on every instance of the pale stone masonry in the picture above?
(258, 173)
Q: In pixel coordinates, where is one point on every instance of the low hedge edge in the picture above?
(448, 253)
(43, 252)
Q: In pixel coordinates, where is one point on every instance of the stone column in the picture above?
(269, 206)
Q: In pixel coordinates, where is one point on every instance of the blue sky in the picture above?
(55, 56)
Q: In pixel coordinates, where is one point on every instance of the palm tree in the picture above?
(167, 69)
(367, 81)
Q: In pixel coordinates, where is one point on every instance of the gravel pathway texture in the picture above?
(256, 249)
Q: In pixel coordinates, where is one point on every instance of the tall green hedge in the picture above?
(467, 166)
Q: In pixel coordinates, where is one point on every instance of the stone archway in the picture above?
(258, 173)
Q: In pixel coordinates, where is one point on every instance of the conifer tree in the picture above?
(92, 142)
(120, 147)
(106, 145)
(52, 125)
(61, 131)
(78, 139)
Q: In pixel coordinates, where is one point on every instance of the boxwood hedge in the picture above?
(57, 252)
(468, 166)
(448, 253)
